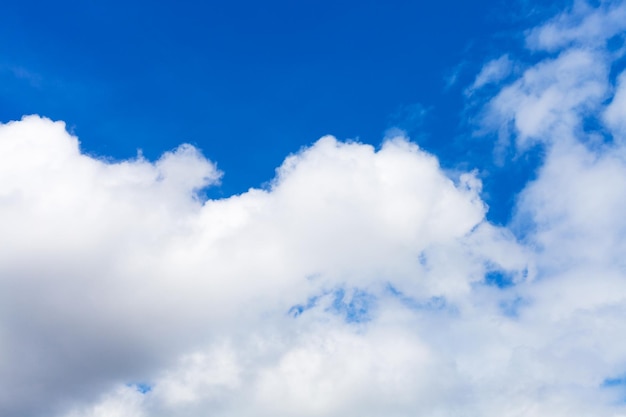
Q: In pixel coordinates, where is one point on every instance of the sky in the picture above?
(313, 209)
(249, 83)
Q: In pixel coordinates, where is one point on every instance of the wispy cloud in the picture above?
(492, 72)
(583, 25)
(21, 73)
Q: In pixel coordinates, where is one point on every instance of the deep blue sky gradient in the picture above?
(250, 82)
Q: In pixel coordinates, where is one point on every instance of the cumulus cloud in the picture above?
(110, 271)
(360, 282)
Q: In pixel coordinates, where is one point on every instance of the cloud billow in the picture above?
(360, 282)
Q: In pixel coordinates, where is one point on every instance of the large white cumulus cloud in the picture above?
(361, 282)
(110, 271)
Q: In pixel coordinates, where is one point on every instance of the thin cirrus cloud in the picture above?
(492, 72)
(360, 282)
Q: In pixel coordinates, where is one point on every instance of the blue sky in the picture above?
(313, 209)
(249, 83)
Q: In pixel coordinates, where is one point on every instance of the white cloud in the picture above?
(582, 25)
(615, 113)
(550, 100)
(493, 71)
(356, 284)
(111, 270)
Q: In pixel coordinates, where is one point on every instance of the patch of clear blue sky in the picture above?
(499, 279)
(141, 387)
(355, 306)
(618, 384)
(614, 382)
(249, 82)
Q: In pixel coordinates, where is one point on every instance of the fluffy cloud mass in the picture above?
(360, 282)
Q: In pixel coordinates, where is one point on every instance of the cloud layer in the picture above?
(360, 282)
